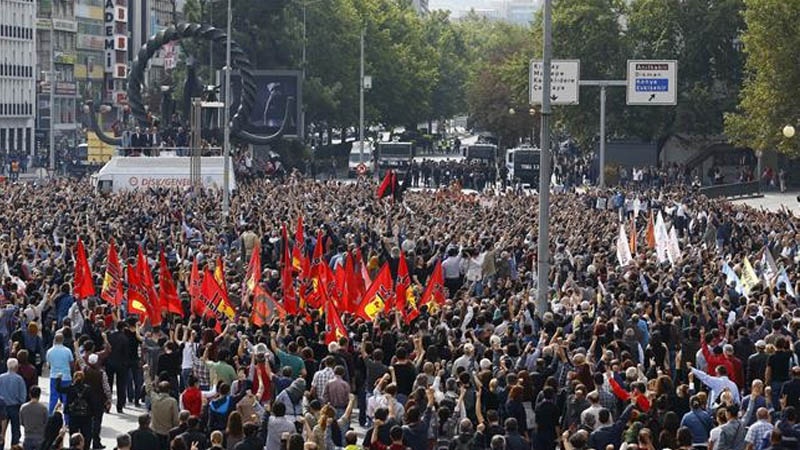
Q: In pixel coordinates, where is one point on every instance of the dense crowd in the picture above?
(650, 355)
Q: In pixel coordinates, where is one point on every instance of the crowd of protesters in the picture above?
(649, 356)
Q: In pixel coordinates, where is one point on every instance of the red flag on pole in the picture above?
(253, 276)
(434, 295)
(264, 307)
(219, 275)
(214, 298)
(388, 186)
(167, 292)
(377, 296)
(362, 267)
(149, 287)
(137, 298)
(298, 251)
(333, 322)
(287, 279)
(405, 301)
(195, 285)
(111, 291)
(84, 285)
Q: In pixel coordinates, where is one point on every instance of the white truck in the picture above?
(123, 173)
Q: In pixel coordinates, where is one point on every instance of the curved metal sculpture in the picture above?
(90, 111)
(239, 60)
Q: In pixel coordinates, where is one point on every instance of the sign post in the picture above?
(565, 75)
(652, 83)
(649, 83)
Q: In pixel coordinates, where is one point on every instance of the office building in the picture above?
(56, 31)
(17, 76)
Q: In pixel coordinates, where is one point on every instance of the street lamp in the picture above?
(226, 202)
(788, 131)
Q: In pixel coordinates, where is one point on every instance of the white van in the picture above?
(140, 172)
(354, 161)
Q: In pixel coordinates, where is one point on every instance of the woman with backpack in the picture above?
(220, 408)
(79, 404)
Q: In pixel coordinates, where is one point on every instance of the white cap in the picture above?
(93, 358)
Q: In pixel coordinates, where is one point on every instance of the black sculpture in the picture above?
(239, 61)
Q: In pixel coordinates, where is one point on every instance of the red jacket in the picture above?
(193, 400)
(641, 401)
(721, 360)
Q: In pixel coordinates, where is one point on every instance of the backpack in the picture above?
(79, 406)
(218, 412)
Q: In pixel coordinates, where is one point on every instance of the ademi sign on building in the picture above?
(115, 19)
(115, 45)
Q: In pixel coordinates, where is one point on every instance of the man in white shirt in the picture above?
(717, 384)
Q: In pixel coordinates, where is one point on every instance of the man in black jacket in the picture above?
(117, 363)
(144, 438)
(610, 434)
(194, 434)
(250, 441)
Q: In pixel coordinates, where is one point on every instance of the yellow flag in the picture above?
(749, 277)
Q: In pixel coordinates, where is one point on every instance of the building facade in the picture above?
(56, 31)
(17, 77)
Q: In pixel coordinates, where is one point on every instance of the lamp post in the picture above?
(226, 201)
(52, 98)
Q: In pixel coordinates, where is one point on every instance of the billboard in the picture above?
(273, 87)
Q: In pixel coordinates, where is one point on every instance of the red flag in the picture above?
(388, 185)
(137, 297)
(405, 301)
(354, 289)
(219, 275)
(362, 267)
(343, 297)
(149, 286)
(264, 307)
(214, 298)
(333, 322)
(195, 284)
(650, 235)
(84, 285)
(253, 276)
(287, 280)
(112, 281)
(633, 235)
(434, 295)
(377, 296)
(318, 257)
(298, 251)
(167, 293)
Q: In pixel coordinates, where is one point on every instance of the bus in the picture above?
(482, 152)
(394, 155)
(522, 164)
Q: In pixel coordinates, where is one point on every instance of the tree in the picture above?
(498, 79)
(701, 35)
(448, 97)
(591, 31)
(768, 99)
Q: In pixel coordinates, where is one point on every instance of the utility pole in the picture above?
(543, 254)
(361, 103)
(603, 85)
(52, 97)
(302, 128)
(226, 150)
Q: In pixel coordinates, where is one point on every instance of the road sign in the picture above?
(361, 169)
(564, 78)
(652, 82)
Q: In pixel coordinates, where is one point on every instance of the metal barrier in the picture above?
(748, 189)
